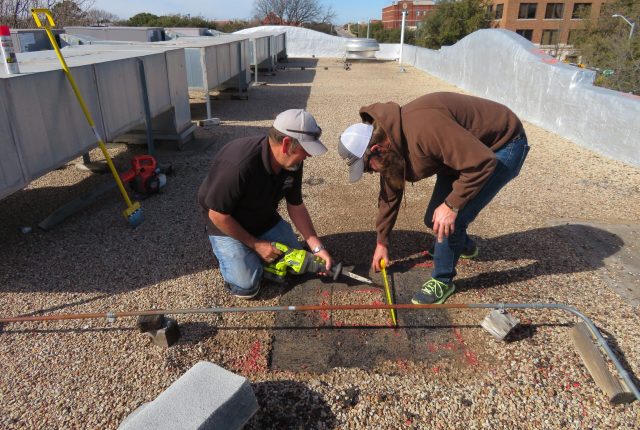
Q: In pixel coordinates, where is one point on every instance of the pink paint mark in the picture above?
(426, 264)
(550, 60)
(325, 294)
(408, 422)
(378, 302)
(253, 361)
(472, 359)
(538, 51)
(432, 347)
(449, 346)
(458, 335)
(324, 315)
(435, 369)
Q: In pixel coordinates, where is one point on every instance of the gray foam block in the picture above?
(205, 397)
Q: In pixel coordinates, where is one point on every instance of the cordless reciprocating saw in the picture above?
(299, 262)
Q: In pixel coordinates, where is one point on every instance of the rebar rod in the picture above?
(111, 316)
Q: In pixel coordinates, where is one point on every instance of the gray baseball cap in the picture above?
(301, 125)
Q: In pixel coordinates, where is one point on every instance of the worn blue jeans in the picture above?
(510, 159)
(241, 266)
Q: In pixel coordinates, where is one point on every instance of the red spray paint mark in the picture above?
(538, 51)
(449, 346)
(378, 302)
(324, 315)
(471, 357)
(408, 422)
(426, 264)
(550, 60)
(325, 294)
(253, 361)
(432, 347)
(435, 369)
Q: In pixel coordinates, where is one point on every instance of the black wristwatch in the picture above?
(455, 210)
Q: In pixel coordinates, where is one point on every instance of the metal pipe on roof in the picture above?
(111, 316)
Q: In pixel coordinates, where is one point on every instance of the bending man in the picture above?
(474, 147)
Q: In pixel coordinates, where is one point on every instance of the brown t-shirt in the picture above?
(442, 133)
(242, 184)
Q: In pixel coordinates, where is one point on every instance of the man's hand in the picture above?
(267, 252)
(444, 220)
(380, 253)
(328, 260)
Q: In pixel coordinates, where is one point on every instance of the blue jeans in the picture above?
(510, 159)
(241, 267)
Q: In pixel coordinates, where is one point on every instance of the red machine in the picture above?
(144, 176)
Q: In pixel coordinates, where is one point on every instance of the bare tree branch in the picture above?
(292, 12)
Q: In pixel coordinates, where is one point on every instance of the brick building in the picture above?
(550, 23)
(416, 11)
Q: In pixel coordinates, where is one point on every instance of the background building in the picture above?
(416, 11)
(550, 24)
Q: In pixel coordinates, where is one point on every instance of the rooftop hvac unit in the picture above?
(132, 34)
(34, 39)
(361, 49)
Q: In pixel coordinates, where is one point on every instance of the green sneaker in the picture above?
(471, 253)
(433, 292)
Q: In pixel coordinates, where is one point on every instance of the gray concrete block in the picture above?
(205, 397)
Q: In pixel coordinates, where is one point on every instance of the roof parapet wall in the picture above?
(500, 65)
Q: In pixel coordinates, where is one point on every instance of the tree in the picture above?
(68, 12)
(292, 12)
(451, 21)
(100, 17)
(143, 19)
(605, 46)
(17, 13)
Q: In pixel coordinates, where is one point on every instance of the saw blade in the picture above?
(357, 277)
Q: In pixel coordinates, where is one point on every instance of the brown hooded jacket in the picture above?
(441, 133)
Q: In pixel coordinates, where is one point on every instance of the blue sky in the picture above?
(346, 10)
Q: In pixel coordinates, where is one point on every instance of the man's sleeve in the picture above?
(293, 195)
(388, 207)
(225, 188)
(461, 151)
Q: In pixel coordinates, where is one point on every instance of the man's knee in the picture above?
(243, 281)
(241, 271)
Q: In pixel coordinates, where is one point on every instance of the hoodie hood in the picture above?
(389, 118)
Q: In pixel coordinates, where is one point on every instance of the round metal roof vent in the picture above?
(361, 48)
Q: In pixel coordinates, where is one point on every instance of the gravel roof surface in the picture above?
(92, 374)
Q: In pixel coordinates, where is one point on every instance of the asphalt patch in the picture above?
(321, 340)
